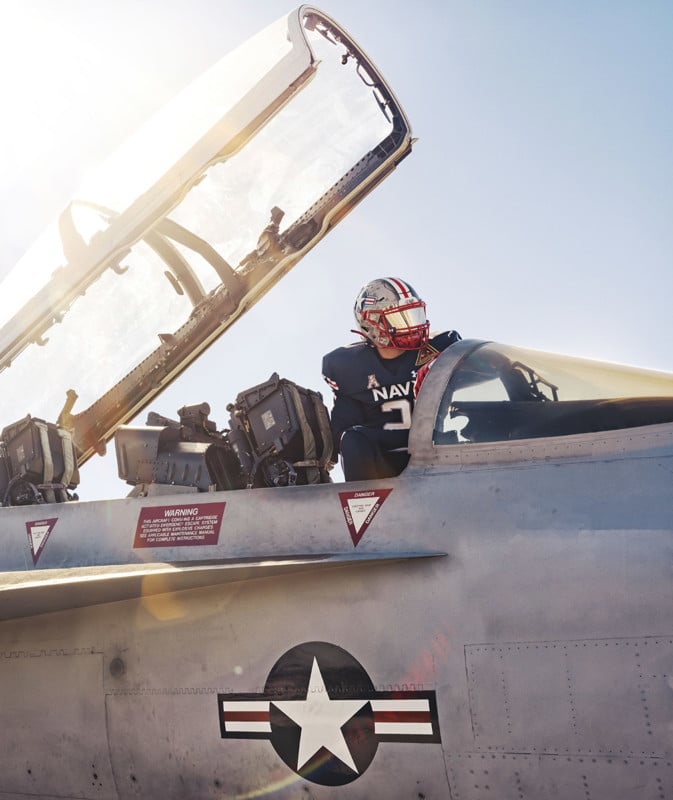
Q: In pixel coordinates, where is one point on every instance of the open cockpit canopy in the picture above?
(483, 392)
(193, 220)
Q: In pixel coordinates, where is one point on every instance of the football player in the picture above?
(373, 379)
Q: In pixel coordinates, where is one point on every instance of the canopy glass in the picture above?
(191, 222)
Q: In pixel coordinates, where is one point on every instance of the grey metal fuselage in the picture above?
(527, 586)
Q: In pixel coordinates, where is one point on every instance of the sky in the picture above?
(535, 209)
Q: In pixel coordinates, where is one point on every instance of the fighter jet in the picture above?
(493, 622)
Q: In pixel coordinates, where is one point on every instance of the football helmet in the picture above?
(390, 314)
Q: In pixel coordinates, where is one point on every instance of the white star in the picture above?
(321, 720)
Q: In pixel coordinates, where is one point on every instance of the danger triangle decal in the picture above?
(360, 509)
(38, 533)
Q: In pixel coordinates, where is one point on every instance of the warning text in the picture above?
(179, 526)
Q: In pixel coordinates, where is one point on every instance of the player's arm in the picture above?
(346, 411)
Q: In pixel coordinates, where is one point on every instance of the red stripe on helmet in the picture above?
(401, 287)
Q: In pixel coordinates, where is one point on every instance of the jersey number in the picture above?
(404, 407)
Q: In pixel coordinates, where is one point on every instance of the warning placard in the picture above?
(38, 533)
(179, 526)
(360, 508)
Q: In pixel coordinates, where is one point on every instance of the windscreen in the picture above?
(501, 393)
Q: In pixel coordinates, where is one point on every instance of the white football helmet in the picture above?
(390, 314)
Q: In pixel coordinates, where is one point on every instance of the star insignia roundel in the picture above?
(323, 715)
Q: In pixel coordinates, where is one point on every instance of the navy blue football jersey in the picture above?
(377, 392)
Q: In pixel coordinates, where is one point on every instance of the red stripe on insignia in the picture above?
(246, 716)
(401, 716)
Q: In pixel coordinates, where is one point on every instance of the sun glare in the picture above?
(37, 58)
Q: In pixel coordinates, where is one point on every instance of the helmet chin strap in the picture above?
(370, 342)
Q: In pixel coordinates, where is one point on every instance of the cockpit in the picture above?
(478, 400)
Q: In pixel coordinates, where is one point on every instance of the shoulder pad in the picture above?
(443, 339)
(435, 345)
(343, 365)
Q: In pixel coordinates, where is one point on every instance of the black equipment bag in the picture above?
(281, 434)
(38, 463)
